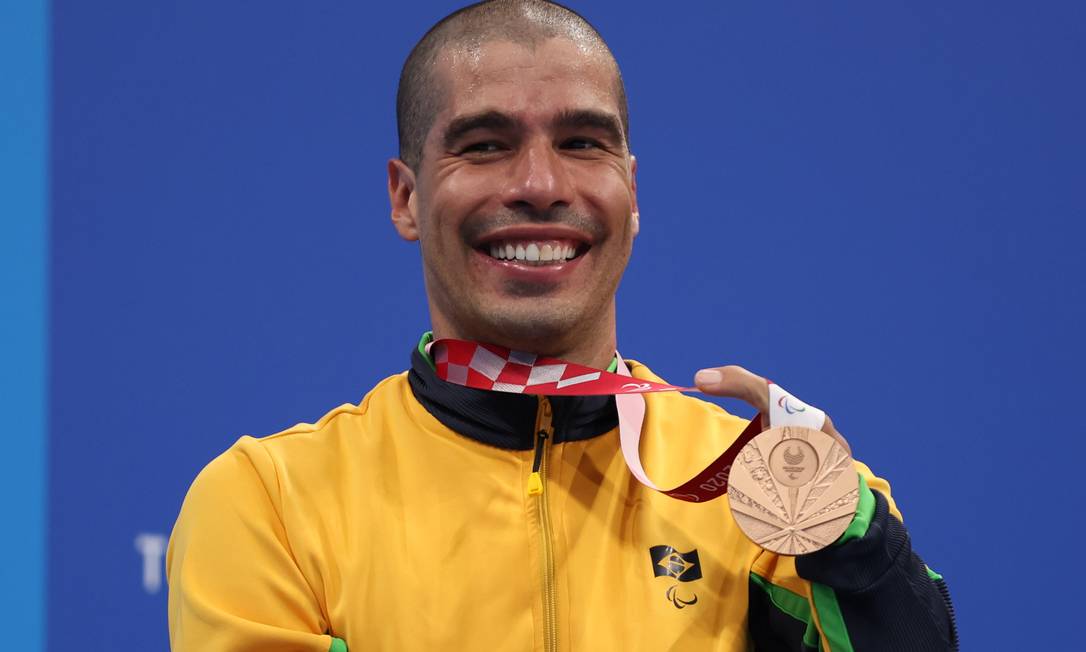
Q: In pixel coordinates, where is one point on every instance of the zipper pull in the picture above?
(535, 480)
(535, 484)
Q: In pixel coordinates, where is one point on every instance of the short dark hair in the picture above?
(521, 21)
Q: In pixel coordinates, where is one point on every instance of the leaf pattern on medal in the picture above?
(755, 462)
(755, 527)
(836, 464)
(841, 502)
(770, 517)
(830, 530)
(792, 542)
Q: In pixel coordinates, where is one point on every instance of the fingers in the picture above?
(735, 382)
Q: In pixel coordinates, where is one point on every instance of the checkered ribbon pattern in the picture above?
(498, 369)
(495, 368)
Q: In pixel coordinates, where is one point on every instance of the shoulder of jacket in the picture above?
(259, 469)
(311, 446)
(334, 420)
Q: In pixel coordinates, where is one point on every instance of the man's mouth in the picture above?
(534, 252)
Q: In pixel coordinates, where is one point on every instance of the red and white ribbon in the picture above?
(495, 368)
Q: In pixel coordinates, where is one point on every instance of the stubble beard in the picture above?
(535, 325)
(527, 318)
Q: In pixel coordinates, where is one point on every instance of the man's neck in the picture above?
(598, 353)
(428, 338)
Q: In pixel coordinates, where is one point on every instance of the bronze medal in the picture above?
(793, 490)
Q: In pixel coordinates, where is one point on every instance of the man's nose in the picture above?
(539, 180)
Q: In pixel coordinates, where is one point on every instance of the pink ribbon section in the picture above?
(711, 483)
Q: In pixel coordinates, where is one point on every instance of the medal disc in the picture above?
(793, 490)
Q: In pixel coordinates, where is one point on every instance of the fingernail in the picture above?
(708, 377)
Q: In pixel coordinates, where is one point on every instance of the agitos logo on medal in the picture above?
(682, 566)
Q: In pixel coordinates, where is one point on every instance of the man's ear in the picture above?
(401, 194)
(635, 214)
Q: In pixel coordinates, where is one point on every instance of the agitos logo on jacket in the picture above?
(682, 566)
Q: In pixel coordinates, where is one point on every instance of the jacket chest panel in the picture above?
(446, 553)
(436, 552)
(641, 570)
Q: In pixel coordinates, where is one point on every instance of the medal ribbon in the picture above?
(498, 369)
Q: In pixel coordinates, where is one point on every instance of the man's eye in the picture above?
(580, 143)
(482, 148)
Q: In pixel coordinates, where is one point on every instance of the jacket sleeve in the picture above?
(234, 583)
(877, 593)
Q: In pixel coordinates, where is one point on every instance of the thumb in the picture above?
(735, 382)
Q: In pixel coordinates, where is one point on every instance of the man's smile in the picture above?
(540, 252)
(528, 261)
(546, 252)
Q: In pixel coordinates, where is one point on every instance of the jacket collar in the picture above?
(501, 419)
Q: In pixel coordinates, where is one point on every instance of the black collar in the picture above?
(507, 420)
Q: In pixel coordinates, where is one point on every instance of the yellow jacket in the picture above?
(380, 528)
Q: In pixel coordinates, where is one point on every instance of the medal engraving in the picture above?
(793, 462)
(793, 490)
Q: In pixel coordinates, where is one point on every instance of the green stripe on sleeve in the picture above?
(338, 645)
(932, 575)
(865, 511)
(829, 616)
(793, 604)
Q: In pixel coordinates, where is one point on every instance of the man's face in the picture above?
(524, 200)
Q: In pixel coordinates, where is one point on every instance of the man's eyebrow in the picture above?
(482, 120)
(591, 119)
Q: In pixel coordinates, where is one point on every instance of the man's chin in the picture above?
(536, 331)
(515, 290)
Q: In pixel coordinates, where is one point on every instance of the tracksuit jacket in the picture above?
(410, 522)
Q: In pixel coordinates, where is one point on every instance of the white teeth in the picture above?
(539, 252)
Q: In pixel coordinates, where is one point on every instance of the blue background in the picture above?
(880, 207)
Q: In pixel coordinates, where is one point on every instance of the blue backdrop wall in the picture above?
(904, 180)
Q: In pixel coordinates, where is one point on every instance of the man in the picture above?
(436, 517)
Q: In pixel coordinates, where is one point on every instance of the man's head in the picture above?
(513, 146)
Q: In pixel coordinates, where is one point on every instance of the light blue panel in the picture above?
(23, 292)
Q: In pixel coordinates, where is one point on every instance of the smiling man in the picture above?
(516, 178)
(433, 516)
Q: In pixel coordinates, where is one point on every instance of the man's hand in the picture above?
(732, 381)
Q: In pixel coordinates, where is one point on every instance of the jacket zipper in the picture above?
(537, 483)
